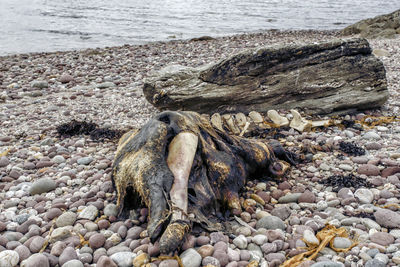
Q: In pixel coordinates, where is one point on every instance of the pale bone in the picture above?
(299, 123)
(230, 123)
(182, 150)
(241, 120)
(256, 117)
(217, 122)
(246, 126)
(277, 119)
(323, 123)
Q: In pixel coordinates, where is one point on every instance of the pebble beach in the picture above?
(57, 203)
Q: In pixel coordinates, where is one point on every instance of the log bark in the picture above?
(330, 77)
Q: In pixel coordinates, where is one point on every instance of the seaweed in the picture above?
(340, 181)
(351, 149)
(96, 133)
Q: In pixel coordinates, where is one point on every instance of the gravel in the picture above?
(59, 189)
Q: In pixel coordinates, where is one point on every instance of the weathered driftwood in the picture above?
(323, 78)
(186, 171)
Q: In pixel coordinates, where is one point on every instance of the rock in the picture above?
(68, 254)
(205, 250)
(341, 243)
(36, 244)
(169, 263)
(59, 234)
(42, 185)
(384, 26)
(327, 264)
(387, 218)
(382, 238)
(105, 261)
(84, 160)
(73, 263)
(65, 219)
(310, 238)
(371, 135)
(365, 196)
(23, 252)
(190, 258)
(369, 170)
(123, 259)
(36, 260)
(307, 197)
(260, 239)
(319, 78)
(105, 85)
(66, 78)
(374, 263)
(141, 260)
(89, 213)
(288, 198)
(240, 241)
(269, 248)
(8, 258)
(59, 159)
(97, 240)
(271, 222)
(111, 210)
(282, 212)
(4, 161)
(39, 84)
(210, 261)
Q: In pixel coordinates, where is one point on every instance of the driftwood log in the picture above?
(330, 77)
(185, 171)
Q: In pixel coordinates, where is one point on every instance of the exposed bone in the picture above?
(299, 123)
(323, 123)
(241, 120)
(256, 117)
(277, 119)
(216, 121)
(180, 159)
(228, 119)
(245, 128)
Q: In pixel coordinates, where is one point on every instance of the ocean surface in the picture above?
(52, 25)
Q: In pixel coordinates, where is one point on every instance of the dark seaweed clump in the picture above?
(269, 133)
(340, 181)
(96, 133)
(361, 214)
(351, 149)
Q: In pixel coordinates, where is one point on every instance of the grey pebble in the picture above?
(191, 258)
(36, 260)
(123, 259)
(65, 219)
(328, 264)
(270, 223)
(85, 160)
(73, 263)
(42, 185)
(89, 213)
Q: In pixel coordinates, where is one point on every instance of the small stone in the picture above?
(288, 198)
(169, 263)
(42, 185)
(222, 257)
(68, 254)
(84, 160)
(141, 259)
(66, 78)
(59, 159)
(4, 161)
(106, 85)
(36, 260)
(271, 222)
(39, 84)
(36, 244)
(371, 135)
(73, 263)
(111, 210)
(8, 258)
(374, 263)
(59, 234)
(97, 240)
(65, 219)
(105, 261)
(310, 238)
(190, 258)
(387, 218)
(23, 252)
(382, 257)
(282, 212)
(260, 239)
(205, 250)
(369, 170)
(207, 261)
(327, 264)
(382, 238)
(58, 248)
(202, 240)
(269, 248)
(123, 259)
(89, 213)
(341, 243)
(307, 197)
(346, 167)
(365, 196)
(240, 242)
